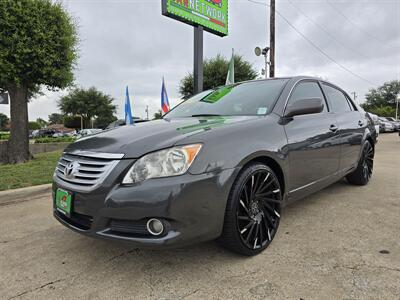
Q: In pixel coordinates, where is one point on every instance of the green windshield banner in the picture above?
(211, 14)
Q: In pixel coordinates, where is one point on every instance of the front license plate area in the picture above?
(63, 202)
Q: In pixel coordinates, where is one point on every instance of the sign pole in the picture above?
(198, 59)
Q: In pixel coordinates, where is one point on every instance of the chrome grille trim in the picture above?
(88, 172)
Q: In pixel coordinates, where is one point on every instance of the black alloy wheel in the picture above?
(363, 173)
(253, 211)
(368, 163)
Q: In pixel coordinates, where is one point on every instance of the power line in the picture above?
(315, 45)
(325, 31)
(354, 24)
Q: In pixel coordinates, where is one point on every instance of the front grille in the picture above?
(80, 221)
(83, 172)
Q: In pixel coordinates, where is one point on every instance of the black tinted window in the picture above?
(248, 98)
(337, 100)
(306, 90)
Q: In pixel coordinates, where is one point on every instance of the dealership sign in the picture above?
(212, 15)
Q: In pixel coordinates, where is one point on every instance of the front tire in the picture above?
(253, 211)
(363, 173)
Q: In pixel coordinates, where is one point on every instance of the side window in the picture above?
(307, 90)
(337, 100)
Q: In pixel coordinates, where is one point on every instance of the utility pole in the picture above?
(354, 96)
(147, 112)
(272, 39)
(397, 105)
(198, 59)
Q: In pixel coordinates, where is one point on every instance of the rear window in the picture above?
(338, 102)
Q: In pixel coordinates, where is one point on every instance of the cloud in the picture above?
(130, 43)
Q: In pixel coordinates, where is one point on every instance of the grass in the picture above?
(35, 172)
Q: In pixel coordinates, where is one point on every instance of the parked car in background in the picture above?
(385, 125)
(396, 123)
(375, 119)
(122, 122)
(222, 164)
(88, 132)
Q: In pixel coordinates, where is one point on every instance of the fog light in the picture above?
(155, 226)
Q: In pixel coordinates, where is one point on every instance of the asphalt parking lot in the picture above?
(341, 243)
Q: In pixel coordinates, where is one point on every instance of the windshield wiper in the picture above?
(206, 115)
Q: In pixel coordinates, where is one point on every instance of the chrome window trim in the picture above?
(294, 85)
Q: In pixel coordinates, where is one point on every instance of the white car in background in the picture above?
(87, 132)
(375, 118)
(385, 125)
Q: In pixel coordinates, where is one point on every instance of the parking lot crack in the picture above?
(35, 289)
(120, 255)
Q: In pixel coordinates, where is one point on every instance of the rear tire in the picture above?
(363, 173)
(253, 211)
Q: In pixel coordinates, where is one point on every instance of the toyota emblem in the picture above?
(70, 169)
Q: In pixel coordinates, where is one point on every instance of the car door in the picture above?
(313, 149)
(351, 125)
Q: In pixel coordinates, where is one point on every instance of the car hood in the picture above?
(136, 140)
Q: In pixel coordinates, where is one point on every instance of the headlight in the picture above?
(164, 163)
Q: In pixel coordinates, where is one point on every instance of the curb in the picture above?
(23, 194)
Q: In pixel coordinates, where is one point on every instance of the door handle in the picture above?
(360, 123)
(333, 128)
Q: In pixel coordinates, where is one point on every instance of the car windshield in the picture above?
(248, 98)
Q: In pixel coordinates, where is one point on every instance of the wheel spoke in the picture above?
(247, 227)
(244, 218)
(269, 199)
(265, 186)
(244, 207)
(256, 235)
(250, 232)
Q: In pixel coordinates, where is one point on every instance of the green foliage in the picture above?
(4, 136)
(72, 122)
(34, 125)
(215, 72)
(103, 121)
(38, 44)
(63, 139)
(382, 97)
(157, 115)
(382, 111)
(37, 171)
(41, 122)
(88, 103)
(56, 118)
(3, 121)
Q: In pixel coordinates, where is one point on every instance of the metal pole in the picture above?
(198, 59)
(397, 105)
(272, 39)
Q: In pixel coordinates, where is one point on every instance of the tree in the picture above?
(383, 96)
(215, 71)
(34, 125)
(3, 121)
(42, 123)
(72, 122)
(383, 111)
(89, 104)
(38, 48)
(157, 115)
(56, 118)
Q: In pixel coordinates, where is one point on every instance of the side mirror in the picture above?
(304, 107)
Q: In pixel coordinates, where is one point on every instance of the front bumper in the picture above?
(192, 208)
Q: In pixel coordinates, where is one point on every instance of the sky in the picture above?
(354, 44)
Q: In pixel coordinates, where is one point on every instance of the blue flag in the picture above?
(164, 98)
(128, 112)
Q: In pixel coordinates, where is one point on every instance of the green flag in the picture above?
(230, 78)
